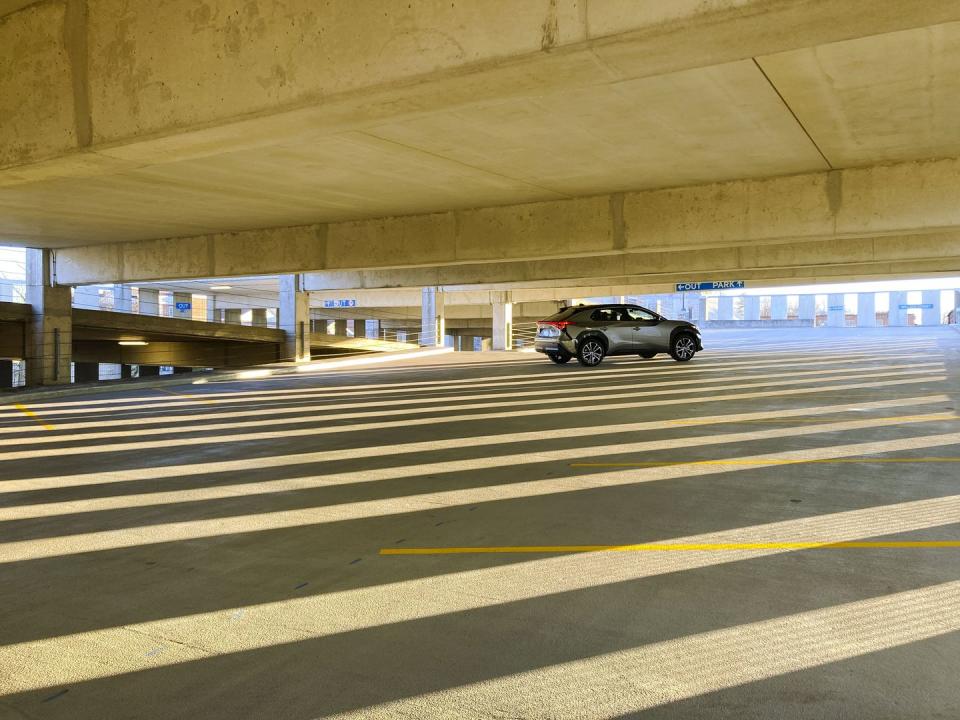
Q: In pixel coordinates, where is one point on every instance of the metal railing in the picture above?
(524, 335)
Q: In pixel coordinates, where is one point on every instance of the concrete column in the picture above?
(836, 310)
(149, 301)
(126, 372)
(295, 317)
(49, 336)
(233, 315)
(213, 315)
(898, 315)
(340, 327)
(6, 374)
(84, 372)
(259, 317)
(866, 309)
(122, 298)
(751, 307)
(431, 317)
(931, 316)
(502, 321)
(149, 370)
(807, 309)
(182, 298)
(778, 307)
(486, 344)
(359, 328)
(725, 308)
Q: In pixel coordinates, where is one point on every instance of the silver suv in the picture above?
(591, 332)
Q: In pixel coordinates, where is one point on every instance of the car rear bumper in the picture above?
(553, 345)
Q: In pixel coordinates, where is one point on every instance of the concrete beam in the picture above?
(123, 89)
(775, 222)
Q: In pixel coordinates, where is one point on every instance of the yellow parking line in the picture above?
(33, 416)
(673, 547)
(818, 419)
(759, 461)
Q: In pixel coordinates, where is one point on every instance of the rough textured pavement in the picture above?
(213, 551)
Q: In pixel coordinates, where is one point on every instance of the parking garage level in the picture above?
(770, 530)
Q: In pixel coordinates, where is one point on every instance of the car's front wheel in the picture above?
(591, 352)
(647, 354)
(560, 358)
(683, 347)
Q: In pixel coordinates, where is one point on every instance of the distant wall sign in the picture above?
(716, 285)
(917, 306)
(342, 303)
(836, 308)
(184, 306)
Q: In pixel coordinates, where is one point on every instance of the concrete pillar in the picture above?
(931, 316)
(149, 301)
(465, 343)
(836, 310)
(233, 315)
(807, 309)
(502, 321)
(898, 315)
(359, 328)
(84, 372)
(431, 317)
(486, 344)
(340, 327)
(295, 317)
(6, 374)
(751, 307)
(180, 298)
(126, 372)
(49, 336)
(259, 317)
(725, 308)
(213, 315)
(123, 298)
(866, 309)
(778, 307)
(149, 370)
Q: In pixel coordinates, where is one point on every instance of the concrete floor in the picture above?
(212, 551)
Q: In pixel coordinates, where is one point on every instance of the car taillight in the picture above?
(558, 324)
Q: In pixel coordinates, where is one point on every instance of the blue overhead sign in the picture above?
(716, 285)
(345, 302)
(184, 306)
(917, 306)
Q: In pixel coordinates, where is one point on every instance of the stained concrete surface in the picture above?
(213, 550)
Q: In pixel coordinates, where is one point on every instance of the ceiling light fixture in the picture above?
(132, 342)
(221, 287)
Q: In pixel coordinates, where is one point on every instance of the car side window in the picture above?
(605, 315)
(640, 314)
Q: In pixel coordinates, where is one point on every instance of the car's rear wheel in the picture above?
(591, 352)
(647, 354)
(560, 358)
(683, 347)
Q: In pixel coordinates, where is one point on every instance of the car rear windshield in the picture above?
(564, 314)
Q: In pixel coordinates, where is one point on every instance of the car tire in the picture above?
(683, 347)
(591, 352)
(647, 354)
(560, 358)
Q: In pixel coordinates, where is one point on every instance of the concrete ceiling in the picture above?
(851, 103)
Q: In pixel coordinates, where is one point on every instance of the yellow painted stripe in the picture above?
(791, 420)
(788, 461)
(33, 416)
(677, 547)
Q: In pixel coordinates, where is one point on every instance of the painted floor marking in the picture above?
(33, 416)
(672, 547)
(786, 461)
